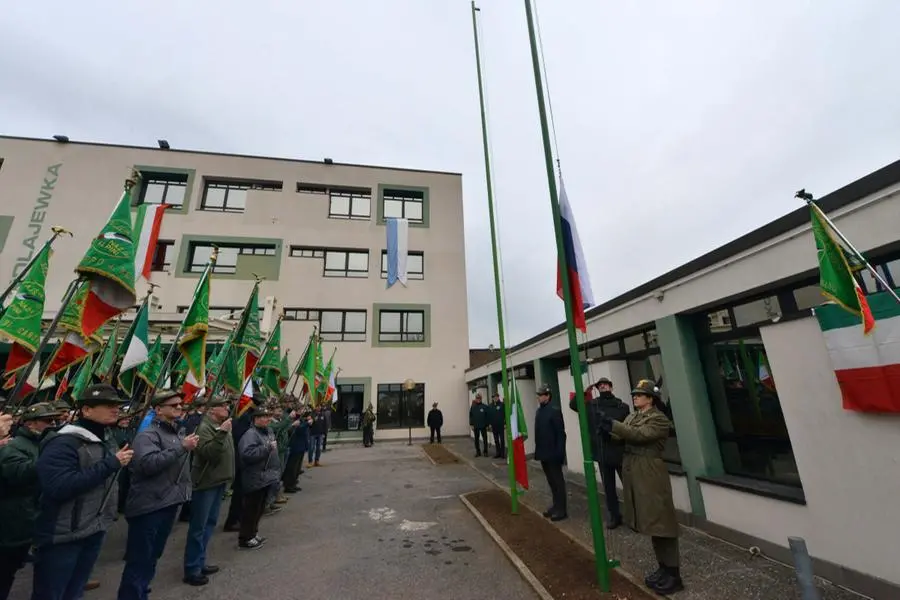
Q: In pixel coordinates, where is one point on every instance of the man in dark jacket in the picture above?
(238, 428)
(76, 469)
(435, 422)
(261, 470)
(478, 421)
(498, 426)
(19, 491)
(607, 453)
(298, 446)
(316, 434)
(211, 472)
(550, 450)
(326, 413)
(160, 484)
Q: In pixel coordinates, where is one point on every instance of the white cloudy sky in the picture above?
(680, 125)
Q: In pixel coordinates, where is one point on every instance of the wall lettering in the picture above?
(38, 214)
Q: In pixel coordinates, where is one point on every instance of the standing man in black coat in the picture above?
(498, 426)
(550, 450)
(435, 422)
(478, 421)
(606, 452)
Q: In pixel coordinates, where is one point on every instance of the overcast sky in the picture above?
(680, 125)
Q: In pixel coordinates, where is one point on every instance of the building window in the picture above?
(415, 265)
(199, 253)
(306, 252)
(401, 326)
(404, 204)
(231, 196)
(301, 314)
(163, 188)
(752, 434)
(346, 263)
(162, 256)
(342, 325)
(398, 408)
(223, 313)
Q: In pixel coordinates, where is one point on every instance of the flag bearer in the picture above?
(160, 484)
(649, 508)
(212, 472)
(606, 451)
(550, 450)
(76, 470)
(20, 490)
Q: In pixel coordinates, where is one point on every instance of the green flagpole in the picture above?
(507, 405)
(602, 563)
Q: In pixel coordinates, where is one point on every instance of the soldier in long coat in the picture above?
(649, 507)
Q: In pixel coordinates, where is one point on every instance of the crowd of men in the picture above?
(66, 476)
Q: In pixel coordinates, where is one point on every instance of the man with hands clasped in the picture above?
(160, 484)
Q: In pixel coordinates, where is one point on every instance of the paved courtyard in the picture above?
(372, 523)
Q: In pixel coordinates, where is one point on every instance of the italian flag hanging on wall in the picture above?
(867, 366)
(519, 433)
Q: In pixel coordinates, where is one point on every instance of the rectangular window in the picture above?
(301, 314)
(651, 368)
(404, 204)
(349, 203)
(346, 263)
(635, 343)
(415, 265)
(225, 313)
(231, 196)
(163, 188)
(750, 427)
(342, 325)
(162, 256)
(306, 252)
(401, 326)
(398, 408)
(226, 264)
(758, 311)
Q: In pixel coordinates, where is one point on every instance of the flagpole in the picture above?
(248, 312)
(213, 257)
(24, 373)
(601, 561)
(507, 409)
(17, 279)
(810, 201)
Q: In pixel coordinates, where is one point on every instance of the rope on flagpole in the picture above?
(548, 95)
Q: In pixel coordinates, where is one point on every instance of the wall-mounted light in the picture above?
(163, 144)
(62, 139)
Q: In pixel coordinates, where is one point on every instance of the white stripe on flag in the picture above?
(147, 225)
(397, 250)
(584, 280)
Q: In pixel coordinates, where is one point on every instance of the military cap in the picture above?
(217, 401)
(99, 395)
(164, 396)
(645, 387)
(605, 380)
(41, 410)
(259, 411)
(544, 389)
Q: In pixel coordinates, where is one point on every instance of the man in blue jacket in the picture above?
(550, 450)
(78, 502)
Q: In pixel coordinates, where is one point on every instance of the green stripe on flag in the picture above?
(832, 316)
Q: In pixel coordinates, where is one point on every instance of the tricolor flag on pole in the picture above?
(519, 433)
(74, 347)
(579, 280)
(147, 223)
(397, 250)
(867, 366)
(246, 398)
(137, 347)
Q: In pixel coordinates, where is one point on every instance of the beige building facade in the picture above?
(313, 229)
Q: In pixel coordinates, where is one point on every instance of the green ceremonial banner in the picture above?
(108, 266)
(192, 344)
(108, 356)
(247, 335)
(21, 321)
(83, 377)
(150, 370)
(269, 365)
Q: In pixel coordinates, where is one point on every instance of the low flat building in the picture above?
(761, 448)
(313, 229)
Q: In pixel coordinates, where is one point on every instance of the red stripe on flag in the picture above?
(250, 364)
(865, 312)
(871, 389)
(151, 241)
(19, 356)
(96, 313)
(68, 354)
(576, 296)
(519, 462)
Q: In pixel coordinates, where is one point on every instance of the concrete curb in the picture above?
(428, 456)
(636, 581)
(523, 569)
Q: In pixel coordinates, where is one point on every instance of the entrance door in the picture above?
(347, 413)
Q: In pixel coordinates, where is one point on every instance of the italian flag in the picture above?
(147, 223)
(108, 267)
(519, 433)
(246, 400)
(867, 366)
(137, 347)
(191, 387)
